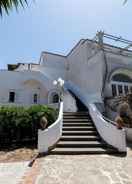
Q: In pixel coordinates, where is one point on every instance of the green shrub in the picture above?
(19, 123)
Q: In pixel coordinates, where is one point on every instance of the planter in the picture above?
(129, 134)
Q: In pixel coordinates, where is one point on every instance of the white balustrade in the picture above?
(49, 137)
(108, 131)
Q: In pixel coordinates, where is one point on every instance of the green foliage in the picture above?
(18, 123)
(7, 5)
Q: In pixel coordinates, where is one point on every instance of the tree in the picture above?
(7, 5)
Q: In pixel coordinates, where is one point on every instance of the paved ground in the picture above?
(85, 169)
(12, 173)
(78, 169)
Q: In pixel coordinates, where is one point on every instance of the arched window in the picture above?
(35, 98)
(121, 84)
(55, 98)
(12, 96)
(121, 78)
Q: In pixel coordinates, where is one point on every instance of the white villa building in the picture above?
(92, 69)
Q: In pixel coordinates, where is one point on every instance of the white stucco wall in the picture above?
(25, 84)
(86, 70)
(69, 103)
(53, 65)
(53, 60)
(53, 73)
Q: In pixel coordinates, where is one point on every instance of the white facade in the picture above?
(87, 68)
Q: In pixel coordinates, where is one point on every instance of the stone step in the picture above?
(78, 124)
(75, 113)
(73, 117)
(82, 133)
(80, 138)
(79, 151)
(76, 120)
(78, 128)
(81, 144)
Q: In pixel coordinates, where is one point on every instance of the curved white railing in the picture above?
(107, 130)
(49, 137)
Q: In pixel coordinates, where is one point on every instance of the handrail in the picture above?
(49, 137)
(59, 116)
(109, 121)
(108, 131)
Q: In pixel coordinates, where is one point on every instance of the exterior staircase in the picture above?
(80, 136)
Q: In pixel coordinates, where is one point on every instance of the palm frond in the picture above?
(125, 1)
(7, 5)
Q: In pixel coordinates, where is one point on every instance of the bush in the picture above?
(20, 123)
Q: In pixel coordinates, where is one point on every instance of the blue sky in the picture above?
(57, 25)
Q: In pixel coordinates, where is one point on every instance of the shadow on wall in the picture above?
(129, 144)
(80, 105)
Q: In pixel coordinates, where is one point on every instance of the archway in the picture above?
(121, 82)
(53, 97)
(34, 92)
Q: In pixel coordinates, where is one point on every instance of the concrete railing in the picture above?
(107, 130)
(49, 137)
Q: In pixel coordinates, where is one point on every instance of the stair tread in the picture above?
(77, 127)
(78, 112)
(79, 131)
(77, 123)
(82, 150)
(81, 142)
(76, 120)
(74, 116)
(79, 136)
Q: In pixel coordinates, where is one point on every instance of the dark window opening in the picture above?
(114, 92)
(120, 90)
(35, 98)
(126, 89)
(121, 78)
(12, 97)
(56, 98)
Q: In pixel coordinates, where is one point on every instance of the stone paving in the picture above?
(76, 169)
(85, 169)
(12, 173)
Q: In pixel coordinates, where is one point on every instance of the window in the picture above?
(35, 98)
(120, 90)
(121, 78)
(126, 90)
(11, 96)
(55, 98)
(114, 92)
